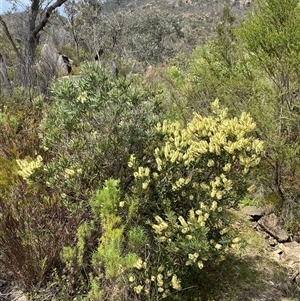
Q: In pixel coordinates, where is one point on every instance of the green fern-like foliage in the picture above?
(111, 259)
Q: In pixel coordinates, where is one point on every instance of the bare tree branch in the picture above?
(11, 41)
(42, 24)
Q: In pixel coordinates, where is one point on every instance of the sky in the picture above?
(6, 5)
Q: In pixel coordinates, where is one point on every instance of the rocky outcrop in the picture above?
(280, 243)
(253, 213)
(54, 62)
(271, 224)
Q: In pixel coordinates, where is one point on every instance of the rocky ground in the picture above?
(269, 265)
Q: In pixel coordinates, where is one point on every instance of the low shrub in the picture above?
(186, 188)
(93, 125)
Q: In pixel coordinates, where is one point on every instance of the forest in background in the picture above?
(118, 177)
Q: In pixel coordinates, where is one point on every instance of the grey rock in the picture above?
(271, 224)
(53, 62)
(273, 242)
(253, 212)
(290, 252)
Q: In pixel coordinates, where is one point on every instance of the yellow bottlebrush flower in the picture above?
(121, 204)
(201, 221)
(200, 265)
(247, 122)
(156, 152)
(158, 127)
(224, 231)
(206, 216)
(202, 147)
(193, 257)
(160, 289)
(146, 172)
(157, 229)
(199, 212)
(216, 106)
(145, 185)
(229, 148)
(204, 186)
(177, 141)
(155, 175)
(180, 182)
(192, 214)
(251, 188)
(258, 146)
(236, 240)
(160, 281)
(227, 184)
(138, 289)
(256, 161)
(235, 246)
(159, 163)
(245, 170)
(167, 150)
(162, 239)
(82, 97)
(210, 163)
(69, 173)
(213, 192)
(141, 171)
(191, 197)
(219, 195)
(174, 156)
(176, 283)
(189, 237)
(27, 167)
(223, 114)
(160, 269)
(164, 127)
(165, 294)
(218, 246)
(214, 206)
(184, 230)
(227, 167)
(169, 273)
(139, 264)
(161, 223)
(182, 222)
(131, 278)
(203, 206)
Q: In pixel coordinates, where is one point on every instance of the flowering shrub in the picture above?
(185, 188)
(91, 128)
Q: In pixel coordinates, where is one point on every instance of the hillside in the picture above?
(197, 19)
(150, 150)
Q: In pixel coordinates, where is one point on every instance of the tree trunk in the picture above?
(27, 59)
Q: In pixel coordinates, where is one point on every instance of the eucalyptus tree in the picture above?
(36, 17)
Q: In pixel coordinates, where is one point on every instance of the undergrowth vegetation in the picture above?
(115, 188)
